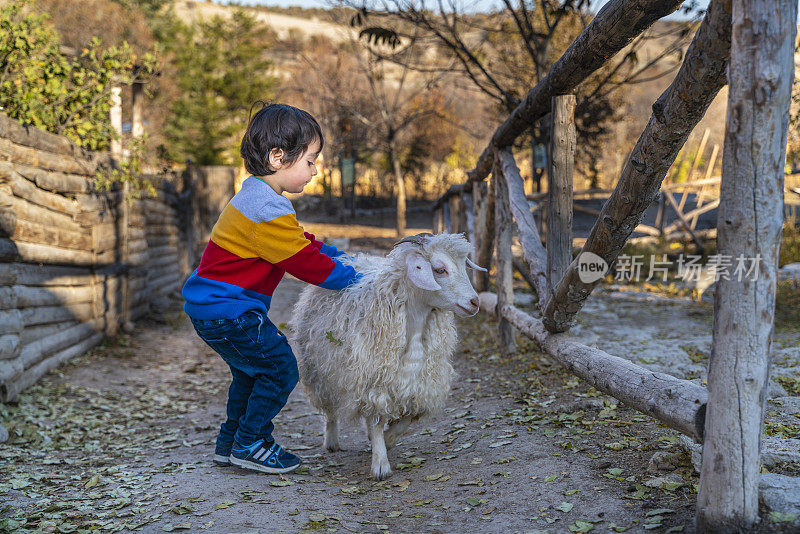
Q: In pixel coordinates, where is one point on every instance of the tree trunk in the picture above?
(559, 206)
(400, 191)
(675, 113)
(749, 224)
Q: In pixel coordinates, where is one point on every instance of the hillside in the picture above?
(283, 25)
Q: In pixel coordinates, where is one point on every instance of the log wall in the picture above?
(77, 265)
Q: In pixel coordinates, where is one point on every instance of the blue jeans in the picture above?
(264, 372)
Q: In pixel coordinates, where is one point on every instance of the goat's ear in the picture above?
(420, 273)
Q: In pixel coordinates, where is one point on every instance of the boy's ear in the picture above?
(276, 158)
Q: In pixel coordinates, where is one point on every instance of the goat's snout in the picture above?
(472, 308)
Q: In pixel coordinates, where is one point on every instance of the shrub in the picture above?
(41, 86)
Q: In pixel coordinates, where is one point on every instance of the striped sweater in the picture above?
(254, 242)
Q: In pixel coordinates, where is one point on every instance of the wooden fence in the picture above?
(489, 214)
(77, 265)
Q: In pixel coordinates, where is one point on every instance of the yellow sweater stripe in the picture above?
(275, 240)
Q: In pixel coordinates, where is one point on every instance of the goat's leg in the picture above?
(331, 442)
(396, 430)
(381, 468)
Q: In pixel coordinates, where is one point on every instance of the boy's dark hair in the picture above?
(277, 126)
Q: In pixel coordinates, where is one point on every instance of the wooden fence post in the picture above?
(749, 225)
(484, 220)
(504, 227)
(483, 206)
(455, 213)
(436, 225)
(559, 176)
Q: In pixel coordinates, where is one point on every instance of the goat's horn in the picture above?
(417, 239)
(475, 266)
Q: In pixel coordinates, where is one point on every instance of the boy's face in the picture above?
(294, 178)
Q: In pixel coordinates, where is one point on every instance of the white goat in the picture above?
(379, 350)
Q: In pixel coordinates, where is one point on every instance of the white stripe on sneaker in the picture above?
(260, 454)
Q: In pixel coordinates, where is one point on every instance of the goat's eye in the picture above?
(441, 270)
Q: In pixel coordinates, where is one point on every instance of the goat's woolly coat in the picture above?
(351, 345)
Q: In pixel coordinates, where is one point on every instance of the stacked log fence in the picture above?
(76, 264)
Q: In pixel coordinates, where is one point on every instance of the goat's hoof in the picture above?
(382, 471)
(333, 447)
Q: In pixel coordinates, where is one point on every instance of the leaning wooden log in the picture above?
(749, 225)
(692, 217)
(11, 389)
(532, 249)
(679, 404)
(675, 113)
(641, 228)
(504, 225)
(683, 221)
(615, 26)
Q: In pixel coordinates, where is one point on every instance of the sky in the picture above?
(485, 4)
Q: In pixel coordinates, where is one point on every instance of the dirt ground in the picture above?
(121, 440)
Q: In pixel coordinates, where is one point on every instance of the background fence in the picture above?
(75, 264)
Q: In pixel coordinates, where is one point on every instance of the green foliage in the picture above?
(129, 172)
(41, 86)
(222, 69)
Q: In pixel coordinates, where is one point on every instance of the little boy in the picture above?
(255, 240)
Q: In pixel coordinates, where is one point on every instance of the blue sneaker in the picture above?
(259, 457)
(222, 453)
